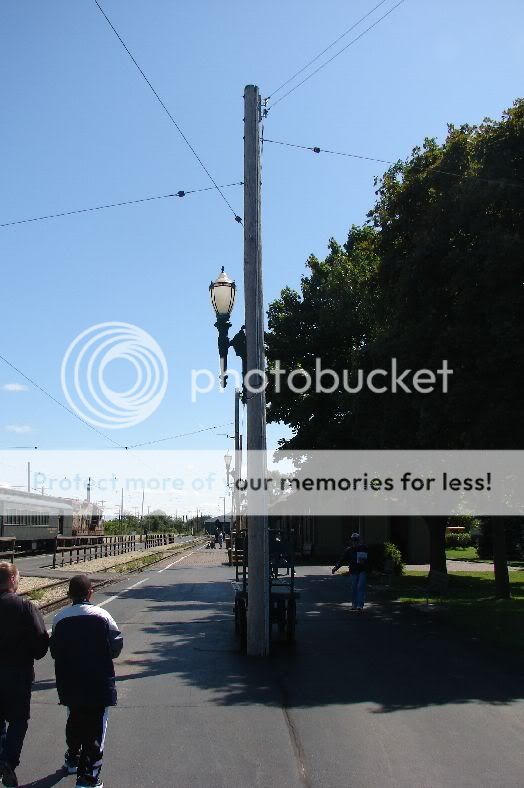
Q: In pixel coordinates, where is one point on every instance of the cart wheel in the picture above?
(242, 625)
(291, 620)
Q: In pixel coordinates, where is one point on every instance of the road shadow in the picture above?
(386, 658)
(49, 781)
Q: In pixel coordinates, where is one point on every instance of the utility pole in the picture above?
(258, 541)
(142, 511)
(89, 490)
(238, 464)
(122, 505)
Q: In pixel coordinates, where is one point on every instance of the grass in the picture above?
(146, 560)
(469, 603)
(140, 563)
(470, 554)
(462, 554)
(36, 594)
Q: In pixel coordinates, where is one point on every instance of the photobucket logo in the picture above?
(323, 380)
(85, 367)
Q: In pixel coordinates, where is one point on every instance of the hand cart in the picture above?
(282, 594)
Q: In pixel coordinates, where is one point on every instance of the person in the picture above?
(356, 558)
(84, 641)
(24, 639)
(220, 538)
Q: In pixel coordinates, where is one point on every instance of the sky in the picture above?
(81, 128)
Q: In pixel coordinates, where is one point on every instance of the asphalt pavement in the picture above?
(379, 698)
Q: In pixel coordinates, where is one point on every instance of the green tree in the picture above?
(332, 319)
(438, 275)
(449, 222)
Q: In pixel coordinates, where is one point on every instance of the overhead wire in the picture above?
(99, 432)
(330, 46)
(169, 114)
(316, 149)
(180, 435)
(330, 60)
(181, 193)
(61, 404)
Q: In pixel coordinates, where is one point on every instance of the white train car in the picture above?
(34, 520)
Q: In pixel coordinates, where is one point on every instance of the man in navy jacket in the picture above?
(84, 642)
(356, 558)
(24, 639)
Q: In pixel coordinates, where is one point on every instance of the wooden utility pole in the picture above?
(258, 543)
(238, 465)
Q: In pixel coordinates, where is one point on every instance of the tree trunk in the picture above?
(438, 571)
(500, 558)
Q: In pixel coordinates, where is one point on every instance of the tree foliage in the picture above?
(436, 274)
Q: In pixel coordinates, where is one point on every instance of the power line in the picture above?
(343, 35)
(61, 404)
(315, 149)
(91, 427)
(323, 150)
(180, 193)
(180, 435)
(330, 60)
(168, 113)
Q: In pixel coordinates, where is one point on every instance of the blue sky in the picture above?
(80, 128)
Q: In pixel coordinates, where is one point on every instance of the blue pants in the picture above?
(358, 589)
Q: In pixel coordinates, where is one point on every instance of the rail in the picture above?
(9, 553)
(159, 540)
(89, 548)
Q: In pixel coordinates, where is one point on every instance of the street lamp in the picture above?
(222, 293)
(227, 460)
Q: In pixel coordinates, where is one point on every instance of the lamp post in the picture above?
(222, 293)
(227, 461)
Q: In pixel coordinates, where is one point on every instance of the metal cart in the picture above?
(282, 594)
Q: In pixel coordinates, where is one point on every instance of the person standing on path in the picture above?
(356, 558)
(84, 641)
(24, 639)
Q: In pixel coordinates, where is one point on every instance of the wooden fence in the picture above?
(158, 540)
(89, 548)
(75, 549)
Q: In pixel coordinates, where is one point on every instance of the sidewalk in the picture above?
(386, 697)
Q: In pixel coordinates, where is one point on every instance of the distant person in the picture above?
(356, 558)
(220, 538)
(24, 639)
(84, 642)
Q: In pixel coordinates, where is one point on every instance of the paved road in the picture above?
(372, 699)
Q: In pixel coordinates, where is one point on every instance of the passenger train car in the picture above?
(36, 520)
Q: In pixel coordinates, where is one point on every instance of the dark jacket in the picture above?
(84, 641)
(24, 636)
(356, 558)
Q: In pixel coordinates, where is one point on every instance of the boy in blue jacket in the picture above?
(84, 642)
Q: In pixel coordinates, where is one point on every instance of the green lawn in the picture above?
(469, 603)
(462, 554)
(470, 554)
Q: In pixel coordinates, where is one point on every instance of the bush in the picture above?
(385, 558)
(466, 521)
(460, 541)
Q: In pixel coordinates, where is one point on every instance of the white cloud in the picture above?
(19, 428)
(14, 387)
